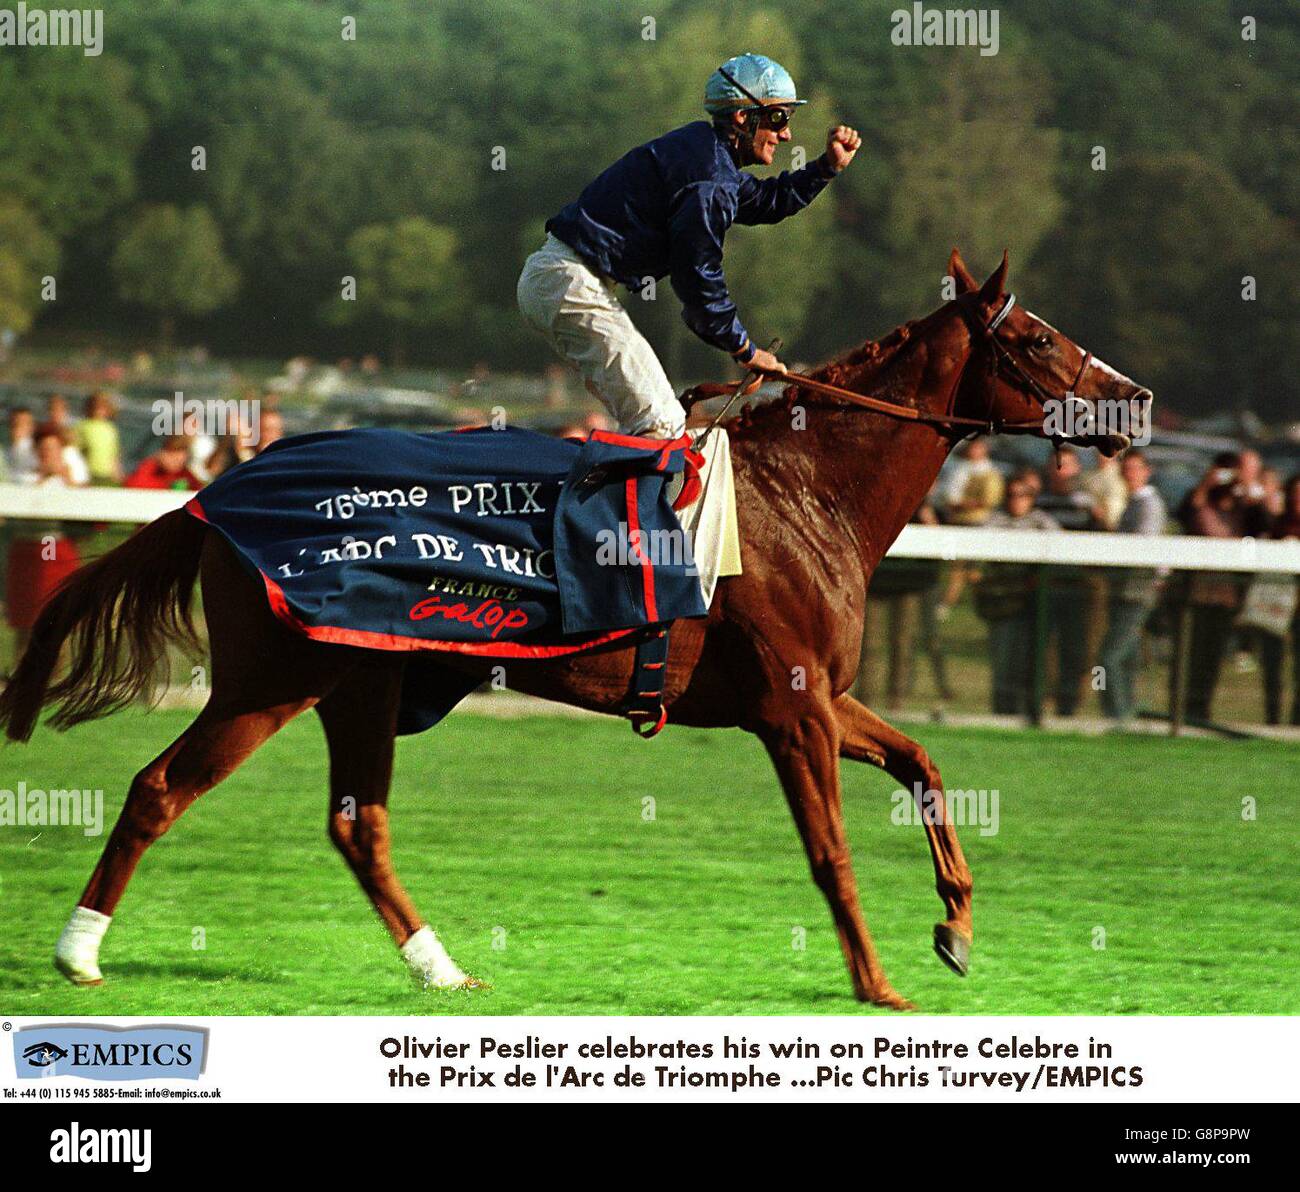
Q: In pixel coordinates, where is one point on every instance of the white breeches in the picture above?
(578, 313)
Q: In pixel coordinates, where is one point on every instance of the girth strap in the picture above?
(644, 706)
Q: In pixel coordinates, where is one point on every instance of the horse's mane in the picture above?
(847, 371)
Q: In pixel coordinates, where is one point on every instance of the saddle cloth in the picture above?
(711, 520)
(497, 543)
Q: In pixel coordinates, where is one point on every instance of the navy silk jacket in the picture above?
(664, 208)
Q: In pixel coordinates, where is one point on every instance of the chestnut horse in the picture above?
(822, 488)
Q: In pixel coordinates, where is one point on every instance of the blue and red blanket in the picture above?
(498, 543)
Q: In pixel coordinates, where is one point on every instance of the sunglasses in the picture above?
(775, 118)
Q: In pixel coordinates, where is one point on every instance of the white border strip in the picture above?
(854, 1057)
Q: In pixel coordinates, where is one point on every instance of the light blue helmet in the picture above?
(748, 81)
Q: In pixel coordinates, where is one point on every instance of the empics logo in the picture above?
(110, 1053)
(86, 1144)
(44, 1054)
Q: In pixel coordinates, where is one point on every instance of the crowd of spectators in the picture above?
(59, 451)
(1095, 624)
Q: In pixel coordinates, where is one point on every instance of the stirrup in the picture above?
(641, 722)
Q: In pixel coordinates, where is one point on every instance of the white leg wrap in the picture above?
(429, 963)
(77, 953)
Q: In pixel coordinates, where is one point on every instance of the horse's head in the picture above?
(1030, 379)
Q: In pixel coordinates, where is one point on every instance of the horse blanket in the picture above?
(494, 543)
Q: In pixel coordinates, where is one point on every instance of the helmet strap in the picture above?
(741, 135)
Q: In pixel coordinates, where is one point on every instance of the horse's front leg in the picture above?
(865, 737)
(805, 751)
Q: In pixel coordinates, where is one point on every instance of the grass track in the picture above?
(531, 832)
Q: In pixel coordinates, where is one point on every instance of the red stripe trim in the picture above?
(392, 641)
(609, 436)
(370, 640)
(694, 459)
(641, 555)
(692, 486)
(642, 726)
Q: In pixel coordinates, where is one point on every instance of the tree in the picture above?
(27, 254)
(1165, 301)
(962, 162)
(407, 278)
(170, 261)
(70, 134)
(285, 177)
(488, 117)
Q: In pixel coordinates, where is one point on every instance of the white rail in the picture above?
(135, 505)
(916, 542)
(1098, 550)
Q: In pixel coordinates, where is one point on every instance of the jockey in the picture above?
(663, 209)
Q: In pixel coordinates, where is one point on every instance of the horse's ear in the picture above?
(960, 274)
(996, 286)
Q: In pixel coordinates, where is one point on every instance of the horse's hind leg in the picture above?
(360, 720)
(865, 737)
(205, 753)
(262, 677)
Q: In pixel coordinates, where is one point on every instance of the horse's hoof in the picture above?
(77, 974)
(886, 999)
(453, 985)
(953, 948)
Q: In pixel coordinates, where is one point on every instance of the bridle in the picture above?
(1001, 357)
(982, 331)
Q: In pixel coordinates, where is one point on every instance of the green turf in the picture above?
(527, 845)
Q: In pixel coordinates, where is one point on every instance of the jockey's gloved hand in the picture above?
(762, 359)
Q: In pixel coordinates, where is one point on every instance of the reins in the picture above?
(990, 425)
(879, 405)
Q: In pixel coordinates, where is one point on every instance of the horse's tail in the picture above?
(120, 611)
